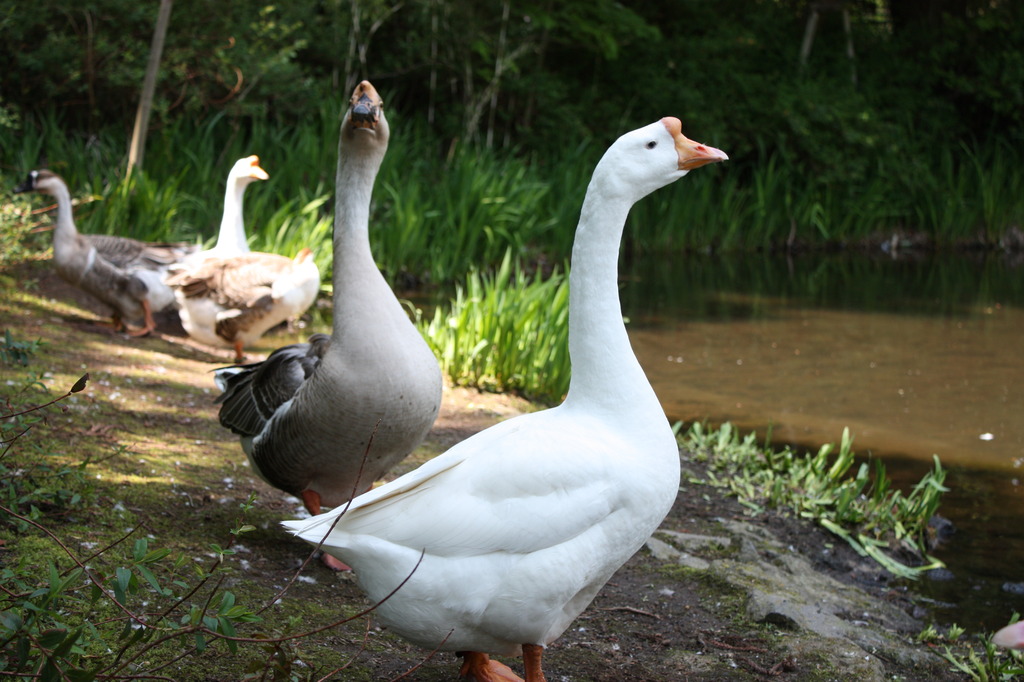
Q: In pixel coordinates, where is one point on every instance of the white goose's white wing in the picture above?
(511, 489)
(518, 527)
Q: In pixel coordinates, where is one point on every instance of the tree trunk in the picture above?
(138, 146)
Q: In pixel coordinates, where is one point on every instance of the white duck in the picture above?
(307, 414)
(126, 274)
(521, 525)
(229, 295)
(231, 239)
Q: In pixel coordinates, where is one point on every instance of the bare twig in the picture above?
(79, 385)
(631, 609)
(421, 663)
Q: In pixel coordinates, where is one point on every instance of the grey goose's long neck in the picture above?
(604, 368)
(354, 267)
(65, 228)
(232, 223)
(66, 239)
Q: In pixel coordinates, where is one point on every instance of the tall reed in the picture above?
(506, 331)
(441, 211)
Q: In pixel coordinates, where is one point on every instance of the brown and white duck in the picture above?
(234, 301)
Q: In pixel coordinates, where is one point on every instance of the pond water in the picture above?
(917, 356)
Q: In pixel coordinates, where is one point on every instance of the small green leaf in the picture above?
(227, 600)
(150, 578)
(154, 556)
(122, 582)
(50, 639)
(11, 621)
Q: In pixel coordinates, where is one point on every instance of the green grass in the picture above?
(85, 599)
(441, 210)
(506, 331)
(855, 503)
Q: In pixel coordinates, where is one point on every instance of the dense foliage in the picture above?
(527, 73)
(502, 109)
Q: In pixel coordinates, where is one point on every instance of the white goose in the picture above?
(231, 296)
(126, 274)
(307, 414)
(520, 525)
(231, 239)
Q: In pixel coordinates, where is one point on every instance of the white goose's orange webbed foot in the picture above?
(531, 661)
(479, 667)
(334, 563)
(311, 499)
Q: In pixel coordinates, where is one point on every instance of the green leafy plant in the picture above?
(862, 509)
(987, 662)
(506, 332)
(14, 352)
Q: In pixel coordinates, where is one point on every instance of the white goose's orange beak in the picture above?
(255, 171)
(691, 154)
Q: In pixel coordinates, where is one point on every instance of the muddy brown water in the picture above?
(917, 357)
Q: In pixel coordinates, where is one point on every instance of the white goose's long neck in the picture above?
(232, 223)
(604, 369)
(353, 260)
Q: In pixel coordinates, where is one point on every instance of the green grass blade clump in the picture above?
(440, 218)
(864, 510)
(506, 332)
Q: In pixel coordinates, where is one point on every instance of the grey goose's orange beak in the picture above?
(366, 106)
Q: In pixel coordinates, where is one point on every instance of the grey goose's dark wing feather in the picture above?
(252, 393)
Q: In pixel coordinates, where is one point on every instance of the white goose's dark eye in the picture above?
(652, 144)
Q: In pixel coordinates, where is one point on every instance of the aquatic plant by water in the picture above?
(440, 211)
(862, 508)
(977, 657)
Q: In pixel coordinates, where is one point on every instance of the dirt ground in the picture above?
(651, 622)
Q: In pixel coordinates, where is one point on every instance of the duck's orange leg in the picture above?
(311, 499)
(148, 324)
(238, 352)
(479, 667)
